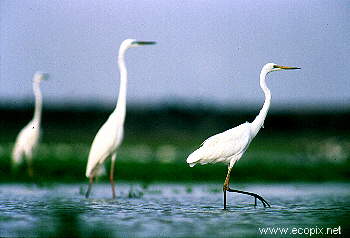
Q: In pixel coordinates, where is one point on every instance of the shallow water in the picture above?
(169, 210)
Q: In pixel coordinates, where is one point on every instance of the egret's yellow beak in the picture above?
(285, 67)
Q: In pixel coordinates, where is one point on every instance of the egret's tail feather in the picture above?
(194, 158)
(17, 157)
(88, 173)
(97, 171)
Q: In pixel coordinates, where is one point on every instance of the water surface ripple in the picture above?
(168, 210)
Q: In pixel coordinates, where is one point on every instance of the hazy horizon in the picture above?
(206, 53)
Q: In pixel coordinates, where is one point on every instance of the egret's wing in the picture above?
(223, 146)
(228, 143)
(234, 134)
(26, 142)
(104, 144)
(99, 151)
(17, 155)
(212, 140)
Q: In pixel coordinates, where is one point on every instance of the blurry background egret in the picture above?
(229, 146)
(110, 135)
(28, 138)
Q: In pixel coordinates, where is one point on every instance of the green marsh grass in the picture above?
(293, 146)
(269, 158)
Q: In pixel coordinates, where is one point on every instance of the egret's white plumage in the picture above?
(226, 147)
(106, 142)
(229, 146)
(28, 138)
(110, 135)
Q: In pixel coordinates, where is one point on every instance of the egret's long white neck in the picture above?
(38, 102)
(120, 109)
(260, 118)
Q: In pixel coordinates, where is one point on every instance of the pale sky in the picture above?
(207, 52)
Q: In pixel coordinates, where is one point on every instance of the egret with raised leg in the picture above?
(229, 146)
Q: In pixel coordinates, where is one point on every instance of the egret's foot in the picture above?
(224, 199)
(87, 194)
(224, 189)
(91, 180)
(113, 187)
(256, 196)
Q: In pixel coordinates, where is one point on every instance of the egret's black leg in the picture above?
(91, 180)
(227, 188)
(224, 199)
(256, 196)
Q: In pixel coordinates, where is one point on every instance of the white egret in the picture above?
(229, 146)
(28, 138)
(110, 135)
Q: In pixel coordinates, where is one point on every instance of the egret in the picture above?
(110, 135)
(28, 138)
(229, 146)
